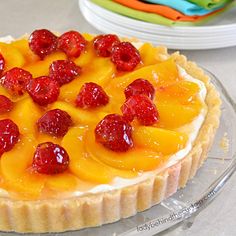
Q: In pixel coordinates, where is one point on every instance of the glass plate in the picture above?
(187, 202)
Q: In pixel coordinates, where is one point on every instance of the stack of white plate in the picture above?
(219, 33)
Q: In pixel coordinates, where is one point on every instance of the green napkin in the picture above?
(210, 4)
(144, 16)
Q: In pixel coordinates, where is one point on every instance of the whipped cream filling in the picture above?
(191, 129)
(7, 39)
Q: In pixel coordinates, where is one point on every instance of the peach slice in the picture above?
(135, 159)
(28, 186)
(81, 164)
(26, 113)
(12, 56)
(88, 37)
(162, 141)
(15, 164)
(178, 104)
(16, 161)
(173, 114)
(42, 138)
(149, 54)
(78, 115)
(86, 57)
(114, 105)
(4, 92)
(161, 74)
(183, 91)
(23, 46)
(41, 68)
(124, 173)
(2, 182)
(99, 71)
(62, 182)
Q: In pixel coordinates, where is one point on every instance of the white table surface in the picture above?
(20, 16)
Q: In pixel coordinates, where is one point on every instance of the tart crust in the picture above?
(96, 209)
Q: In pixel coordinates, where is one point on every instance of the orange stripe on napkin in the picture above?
(161, 10)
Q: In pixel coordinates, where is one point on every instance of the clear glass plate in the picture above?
(187, 202)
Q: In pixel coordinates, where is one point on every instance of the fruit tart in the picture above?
(96, 128)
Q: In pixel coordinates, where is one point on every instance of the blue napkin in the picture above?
(183, 6)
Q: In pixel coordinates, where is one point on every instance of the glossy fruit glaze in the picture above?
(63, 110)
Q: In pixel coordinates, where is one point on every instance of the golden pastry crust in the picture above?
(101, 208)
